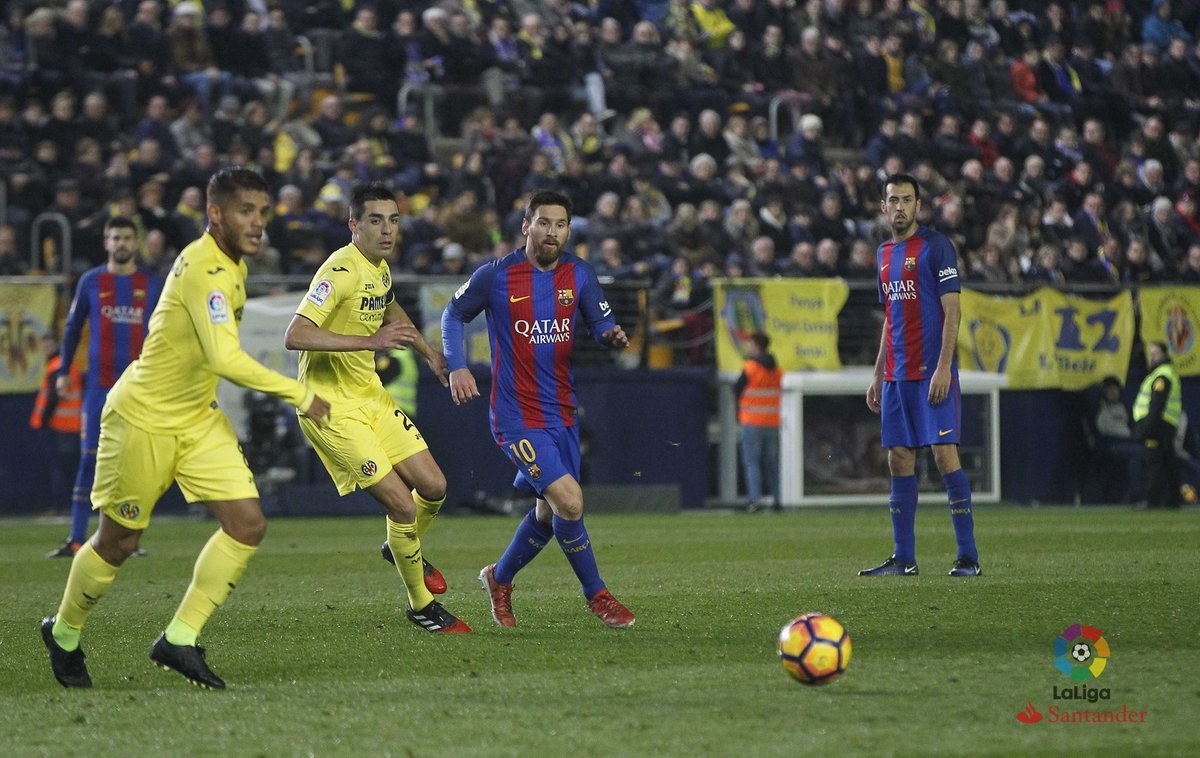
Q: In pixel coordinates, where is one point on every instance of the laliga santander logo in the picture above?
(1081, 652)
(1030, 715)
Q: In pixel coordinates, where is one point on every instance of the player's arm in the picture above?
(468, 302)
(875, 388)
(304, 334)
(81, 306)
(945, 263)
(394, 314)
(206, 298)
(939, 385)
(598, 314)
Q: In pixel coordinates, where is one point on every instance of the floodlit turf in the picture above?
(320, 659)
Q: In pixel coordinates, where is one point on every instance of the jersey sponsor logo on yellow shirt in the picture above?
(218, 308)
(321, 292)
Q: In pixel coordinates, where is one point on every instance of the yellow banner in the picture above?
(799, 315)
(1046, 340)
(1172, 315)
(26, 314)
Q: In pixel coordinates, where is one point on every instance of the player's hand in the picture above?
(437, 364)
(318, 412)
(873, 394)
(616, 337)
(63, 385)
(394, 336)
(939, 386)
(462, 386)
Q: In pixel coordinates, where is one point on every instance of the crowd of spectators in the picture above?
(1055, 142)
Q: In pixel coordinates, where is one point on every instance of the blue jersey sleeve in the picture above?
(154, 288)
(81, 306)
(945, 265)
(596, 311)
(468, 302)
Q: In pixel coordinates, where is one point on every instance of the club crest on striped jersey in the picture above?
(910, 262)
(566, 297)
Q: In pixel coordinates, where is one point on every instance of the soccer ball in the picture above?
(814, 649)
(1081, 653)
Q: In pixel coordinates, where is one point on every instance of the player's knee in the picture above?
(902, 461)
(946, 458)
(432, 487)
(249, 530)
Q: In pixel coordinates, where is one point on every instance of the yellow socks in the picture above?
(427, 510)
(218, 568)
(406, 549)
(90, 578)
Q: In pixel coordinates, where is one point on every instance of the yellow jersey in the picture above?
(348, 295)
(192, 342)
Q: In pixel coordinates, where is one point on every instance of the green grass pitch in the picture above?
(320, 659)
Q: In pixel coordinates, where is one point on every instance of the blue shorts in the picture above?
(89, 429)
(542, 456)
(910, 421)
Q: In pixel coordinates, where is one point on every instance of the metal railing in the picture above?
(60, 256)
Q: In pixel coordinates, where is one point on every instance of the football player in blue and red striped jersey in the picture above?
(535, 299)
(915, 387)
(117, 300)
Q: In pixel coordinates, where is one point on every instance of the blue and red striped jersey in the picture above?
(913, 276)
(532, 317)
(118, 307)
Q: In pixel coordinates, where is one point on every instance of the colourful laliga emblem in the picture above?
(1081, 652)
(910, 263)
(369, 468)
(566, 297)
(129, 511)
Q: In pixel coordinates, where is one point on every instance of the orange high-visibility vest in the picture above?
(67, 416)
(759, 403)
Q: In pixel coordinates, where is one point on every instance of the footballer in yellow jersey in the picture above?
(349, 313)
(161, 423)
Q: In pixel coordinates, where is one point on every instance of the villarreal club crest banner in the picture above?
(799, 315)
(26, 313)
(1046, 340)
(1172, 315)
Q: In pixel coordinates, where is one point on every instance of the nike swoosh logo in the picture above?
(217, 270)
(571, 542)
(910, 570)
(341, 268)
(515, 299)
(884, 267)
(944, 433)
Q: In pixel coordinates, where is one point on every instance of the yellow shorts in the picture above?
(135, 467)
(361, 445)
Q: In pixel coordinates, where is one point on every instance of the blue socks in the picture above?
(529, 540)
(903, 505)
(958, 492)
(577, 546)
(81, 503)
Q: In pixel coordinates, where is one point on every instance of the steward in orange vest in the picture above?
(758, 392)
(758, 388)
(62, 413)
